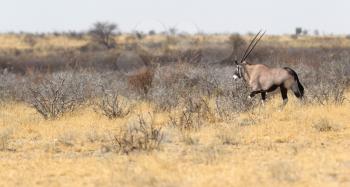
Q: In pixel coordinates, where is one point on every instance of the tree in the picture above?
(305, 32)
(316, 32)
(102, 33)
(298, 31)
(152, 32)
(173, 30)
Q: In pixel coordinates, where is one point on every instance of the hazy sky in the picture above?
(276, 16)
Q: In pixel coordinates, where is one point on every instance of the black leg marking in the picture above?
(284, 92)
(253, 93)
(263, 96)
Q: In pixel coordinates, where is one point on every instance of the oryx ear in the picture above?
(244, 62)
(236, 62)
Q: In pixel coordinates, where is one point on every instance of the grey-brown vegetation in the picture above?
(64, 78)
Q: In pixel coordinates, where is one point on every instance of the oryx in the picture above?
(262, 79)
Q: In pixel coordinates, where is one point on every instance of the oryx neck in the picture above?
(247, 71)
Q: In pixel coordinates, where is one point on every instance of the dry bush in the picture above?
(188, 121)
(16, 87)
(251, 120)
(12, 86)
(327, 84)
(188, 138)
(112, 105)
(235, 101)
(326, 93)
(5, 136)
(142, 135)
(55, 96)
(141, 80)
(67, 138)
(169, 85)
(191, 56)
(93, 136)
(215, 82)
(194, 114)
(324, 125)
(228, 136)
(176, 82)
(198, 106)
(4, 141)
(164, 98)
(194, 86)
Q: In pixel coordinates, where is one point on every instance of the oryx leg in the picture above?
(252, 94)
(284, 92)
(263, 97)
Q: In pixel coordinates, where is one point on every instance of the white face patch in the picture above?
(235, 77)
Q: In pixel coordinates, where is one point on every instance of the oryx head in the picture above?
(239, 70)
(238, 73)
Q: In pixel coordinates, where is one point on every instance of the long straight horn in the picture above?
(251, 49)
(250, 44)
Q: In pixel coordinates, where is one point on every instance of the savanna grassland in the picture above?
(163, 110)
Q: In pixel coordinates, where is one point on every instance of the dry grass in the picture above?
(280, 148)
(11, 41)
(49, 42)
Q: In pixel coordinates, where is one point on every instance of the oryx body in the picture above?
(262, 79)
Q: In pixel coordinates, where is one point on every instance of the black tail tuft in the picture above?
(299, 90)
